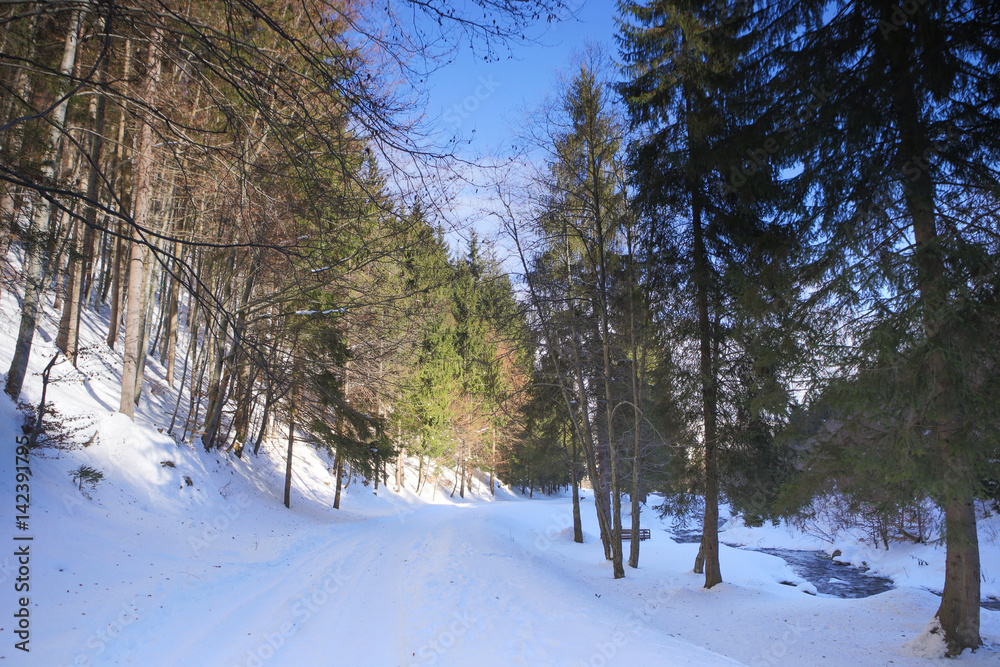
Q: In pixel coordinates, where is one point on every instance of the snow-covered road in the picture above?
(470, 585)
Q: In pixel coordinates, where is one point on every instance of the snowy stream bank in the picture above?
(829, 575)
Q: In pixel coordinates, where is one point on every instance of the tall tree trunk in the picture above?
(493, 458)
(143, 192)
(710, 529)
(150, 283)
(603, 295)
(8, 211)
(216, 388)
(588, 441)
(268, 398)
(180, 389)
(590, 445)
(400, 461)
(170, 342)
(214, 416)
(959, 613)
(97, 293)
(36, 258)
(116, 279)
(638, 378)
(121, 244)
(66, 339)
(288, 460)
(575, 481)
(201, 364)
(960, 600)
(82, 278)
(420, 473)
(572, 387)
(340, 480)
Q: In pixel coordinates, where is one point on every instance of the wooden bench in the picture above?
(643, 534)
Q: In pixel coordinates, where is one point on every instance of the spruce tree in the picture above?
(692, 92)
(897, 140)
(582, 281)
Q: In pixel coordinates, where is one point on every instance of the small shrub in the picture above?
(86, 475)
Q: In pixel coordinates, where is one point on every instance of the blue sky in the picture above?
(477, 101)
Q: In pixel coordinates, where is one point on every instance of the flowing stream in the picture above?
(827, 575)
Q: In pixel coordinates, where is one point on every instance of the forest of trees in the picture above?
(224, 183)
(757, 249)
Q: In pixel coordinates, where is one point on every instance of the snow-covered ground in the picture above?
(146, 569)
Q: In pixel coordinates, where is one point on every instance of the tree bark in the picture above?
(960, 600)
(115, 274)
(119, 269)
(137, 260)
(82, 277)
(637, 344)
(399, 470)
(36, 259)
(66, 339)
(8, 218)
(288, 460)
(268, 398)
(180, 389)
(420, 474)
(959, 613)
(575, 480)
(493, 459)
(150, 282)
(340, 481)
(171, 335)
(603, 294)
(710, 528)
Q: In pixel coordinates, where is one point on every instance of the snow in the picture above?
(928, 644)
(146, 569)
(907, 564)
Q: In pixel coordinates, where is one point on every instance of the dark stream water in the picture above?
(828, 576)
